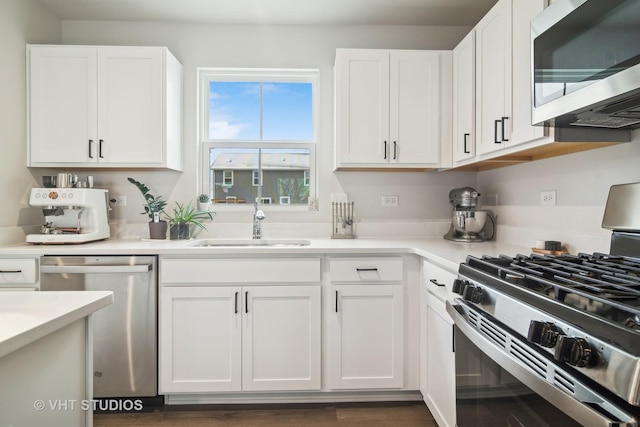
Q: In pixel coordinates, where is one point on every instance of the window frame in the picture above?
(205, 75)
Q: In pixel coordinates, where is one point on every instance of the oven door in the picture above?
(503, 381)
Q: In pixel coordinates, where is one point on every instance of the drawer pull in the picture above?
(246, 302)
(336, 301)
(366, 269)
(11, 271)
(435, 282)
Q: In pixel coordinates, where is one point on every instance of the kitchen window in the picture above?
(261, 127)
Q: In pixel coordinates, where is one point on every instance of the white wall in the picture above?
(423, 196)
(581, 181)
(21, 22)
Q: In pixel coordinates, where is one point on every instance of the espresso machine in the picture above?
(469, 224)
(71, 215)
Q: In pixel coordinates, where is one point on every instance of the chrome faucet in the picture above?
(258, 216)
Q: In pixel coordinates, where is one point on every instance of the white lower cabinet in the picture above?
(236, 337)
(440, 390)
(200, 341)
(437, 357)
(281, 338)
(365, 324)
(249, 338)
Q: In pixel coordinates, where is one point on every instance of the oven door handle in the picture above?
(586, 412)
(91, 269)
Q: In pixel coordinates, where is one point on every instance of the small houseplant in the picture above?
(204, 202)
(182, 218)
(153, 208)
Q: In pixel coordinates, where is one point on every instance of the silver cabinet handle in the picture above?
(85, 269)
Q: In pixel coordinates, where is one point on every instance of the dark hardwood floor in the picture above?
(316, 415)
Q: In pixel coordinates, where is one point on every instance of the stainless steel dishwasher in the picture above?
(125, 357)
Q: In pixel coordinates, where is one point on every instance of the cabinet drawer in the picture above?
(386, 269)
(254, 270)
(18, 271)
(436, 277)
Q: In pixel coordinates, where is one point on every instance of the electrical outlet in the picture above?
(388, 201)
(548, 198)
(119, 201)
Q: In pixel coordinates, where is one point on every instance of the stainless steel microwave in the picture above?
(586, 64)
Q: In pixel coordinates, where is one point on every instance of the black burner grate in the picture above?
(604, 285)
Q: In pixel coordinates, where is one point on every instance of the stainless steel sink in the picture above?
(213, 243)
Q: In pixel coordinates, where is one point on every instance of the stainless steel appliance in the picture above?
(125, 333)
(586, 64)
(551, 340)
(469, 224)
(72, 215)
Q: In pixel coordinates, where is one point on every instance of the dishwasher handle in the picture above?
(85, 269)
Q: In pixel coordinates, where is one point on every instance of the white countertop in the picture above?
(28, 316)
(441, 251)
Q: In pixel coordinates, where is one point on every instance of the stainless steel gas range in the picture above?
(544, 340)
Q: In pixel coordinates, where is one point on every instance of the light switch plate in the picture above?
(389, 201)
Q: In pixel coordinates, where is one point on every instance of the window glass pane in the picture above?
(230, 175)
(287, 111)
(283, 172)
(285, 175)
(234, 110)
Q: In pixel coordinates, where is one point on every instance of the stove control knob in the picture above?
(473, 293)
(458, 286)
(574, 351)
(544, 333)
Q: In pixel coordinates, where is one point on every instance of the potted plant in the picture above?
(182, 218)
(153, 208)
(204, 202)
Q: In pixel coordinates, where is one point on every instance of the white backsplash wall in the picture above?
(581, 181)
(423, 196)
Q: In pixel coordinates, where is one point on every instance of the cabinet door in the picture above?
(281, 338)
(362, 107)
(62, 105)
(200, 339)
(414, 121)
(439, 392)
(493, 79)
(464, 99)
(365, 336)
(523, 12)
(130, 100)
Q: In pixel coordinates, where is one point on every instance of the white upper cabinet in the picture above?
(464, 99)
(362, 107)
(522, 130)
(388, 108)
(493, 79)
(104, 107)
(63, 105)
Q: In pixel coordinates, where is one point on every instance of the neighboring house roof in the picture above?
(270, 161)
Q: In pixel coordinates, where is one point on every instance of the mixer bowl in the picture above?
(467, 222)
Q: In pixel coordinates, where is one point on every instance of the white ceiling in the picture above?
(306, 12)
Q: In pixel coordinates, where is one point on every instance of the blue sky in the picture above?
(234, 111)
